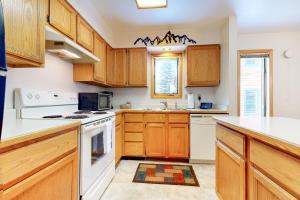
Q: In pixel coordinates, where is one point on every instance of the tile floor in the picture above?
(122, 187)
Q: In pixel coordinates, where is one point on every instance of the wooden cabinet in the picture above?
(178, 141)
(262, 188)
(100, 52)
(230, 174)
(42, 168)
(25, 32)
(63, 17)
(120, 67)
(203, 65)
(137, 67)
(155, 138)
(119, 138)
(110, 69)
(85, 34)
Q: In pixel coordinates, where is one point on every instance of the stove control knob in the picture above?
(37, 96)
(29, 96)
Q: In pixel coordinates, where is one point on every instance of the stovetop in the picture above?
(83, 115)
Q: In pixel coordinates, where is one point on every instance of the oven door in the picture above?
(96, 153)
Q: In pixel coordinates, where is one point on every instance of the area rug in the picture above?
(166, 174)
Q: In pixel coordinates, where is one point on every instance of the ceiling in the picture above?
(253, 16)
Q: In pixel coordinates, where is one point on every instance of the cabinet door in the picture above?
(58, 181)
(178, 140)
(137, 67)
(25, 31)
(120, 67)
(230, 174)
(110, 69)
(119, 143)
(100, 52)
(155, 139)
(262, 188)
(203, 65)
(63, 17)
(84, 34)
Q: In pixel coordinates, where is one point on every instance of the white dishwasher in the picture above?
(202, 138)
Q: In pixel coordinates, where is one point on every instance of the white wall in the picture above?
(140, 97)
(57, 75)
(286, 83)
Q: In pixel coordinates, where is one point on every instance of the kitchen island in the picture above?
(258, 158)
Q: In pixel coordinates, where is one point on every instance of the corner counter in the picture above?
(258, 158)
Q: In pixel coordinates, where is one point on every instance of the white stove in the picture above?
(97, 134)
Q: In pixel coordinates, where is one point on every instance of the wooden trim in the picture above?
(270, 52)
(163, 96)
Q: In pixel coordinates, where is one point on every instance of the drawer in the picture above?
(134, 149)
(133, 117)
(134, 137)
(284, 168)
(179, 118)
(118, 119)
(21, 163)
(134, 127)
(155, 118)
(232, 139)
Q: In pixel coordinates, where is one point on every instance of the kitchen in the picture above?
(161, 88)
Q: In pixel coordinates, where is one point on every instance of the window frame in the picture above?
(167, 96)
(268, 51)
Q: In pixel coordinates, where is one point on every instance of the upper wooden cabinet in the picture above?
(100, 52)
(137, 67)
(203, 65)
(63, 17)
(120, 67)
(110, 58)
(25, 32)
(85, 34)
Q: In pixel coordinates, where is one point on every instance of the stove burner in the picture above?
(76, 117)
(83, 112)
(52, 116)
(100, 113)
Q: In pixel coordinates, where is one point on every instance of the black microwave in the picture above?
(94, 101)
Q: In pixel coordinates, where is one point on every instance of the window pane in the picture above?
(166, 75)
(252, 84)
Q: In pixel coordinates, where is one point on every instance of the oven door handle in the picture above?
(93, 127)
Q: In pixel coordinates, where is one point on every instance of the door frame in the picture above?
(270, 52)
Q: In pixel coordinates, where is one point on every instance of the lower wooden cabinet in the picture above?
(155, 139)
(230, 174)
(119, 143)
(58, 181)
(263, 188)
(178, 141)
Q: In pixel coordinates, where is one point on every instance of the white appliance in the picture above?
(97, 134)
(202, 138)
(191, 101)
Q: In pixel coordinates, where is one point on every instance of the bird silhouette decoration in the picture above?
(168, 39)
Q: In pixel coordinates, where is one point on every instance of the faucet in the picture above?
(165, 103)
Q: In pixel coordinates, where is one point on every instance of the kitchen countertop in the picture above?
(188, 111)
(21, 130)
(283, 133)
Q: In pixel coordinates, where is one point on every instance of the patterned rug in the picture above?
(166, 174)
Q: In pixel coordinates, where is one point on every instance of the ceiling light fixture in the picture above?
(143, 4)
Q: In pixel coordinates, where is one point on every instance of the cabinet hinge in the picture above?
(48, 18)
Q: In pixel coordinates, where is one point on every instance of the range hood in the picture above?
(67, 49)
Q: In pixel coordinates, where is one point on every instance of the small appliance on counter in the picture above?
(191, 102)
(206, 105)
(2, 67)
(95, 101)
